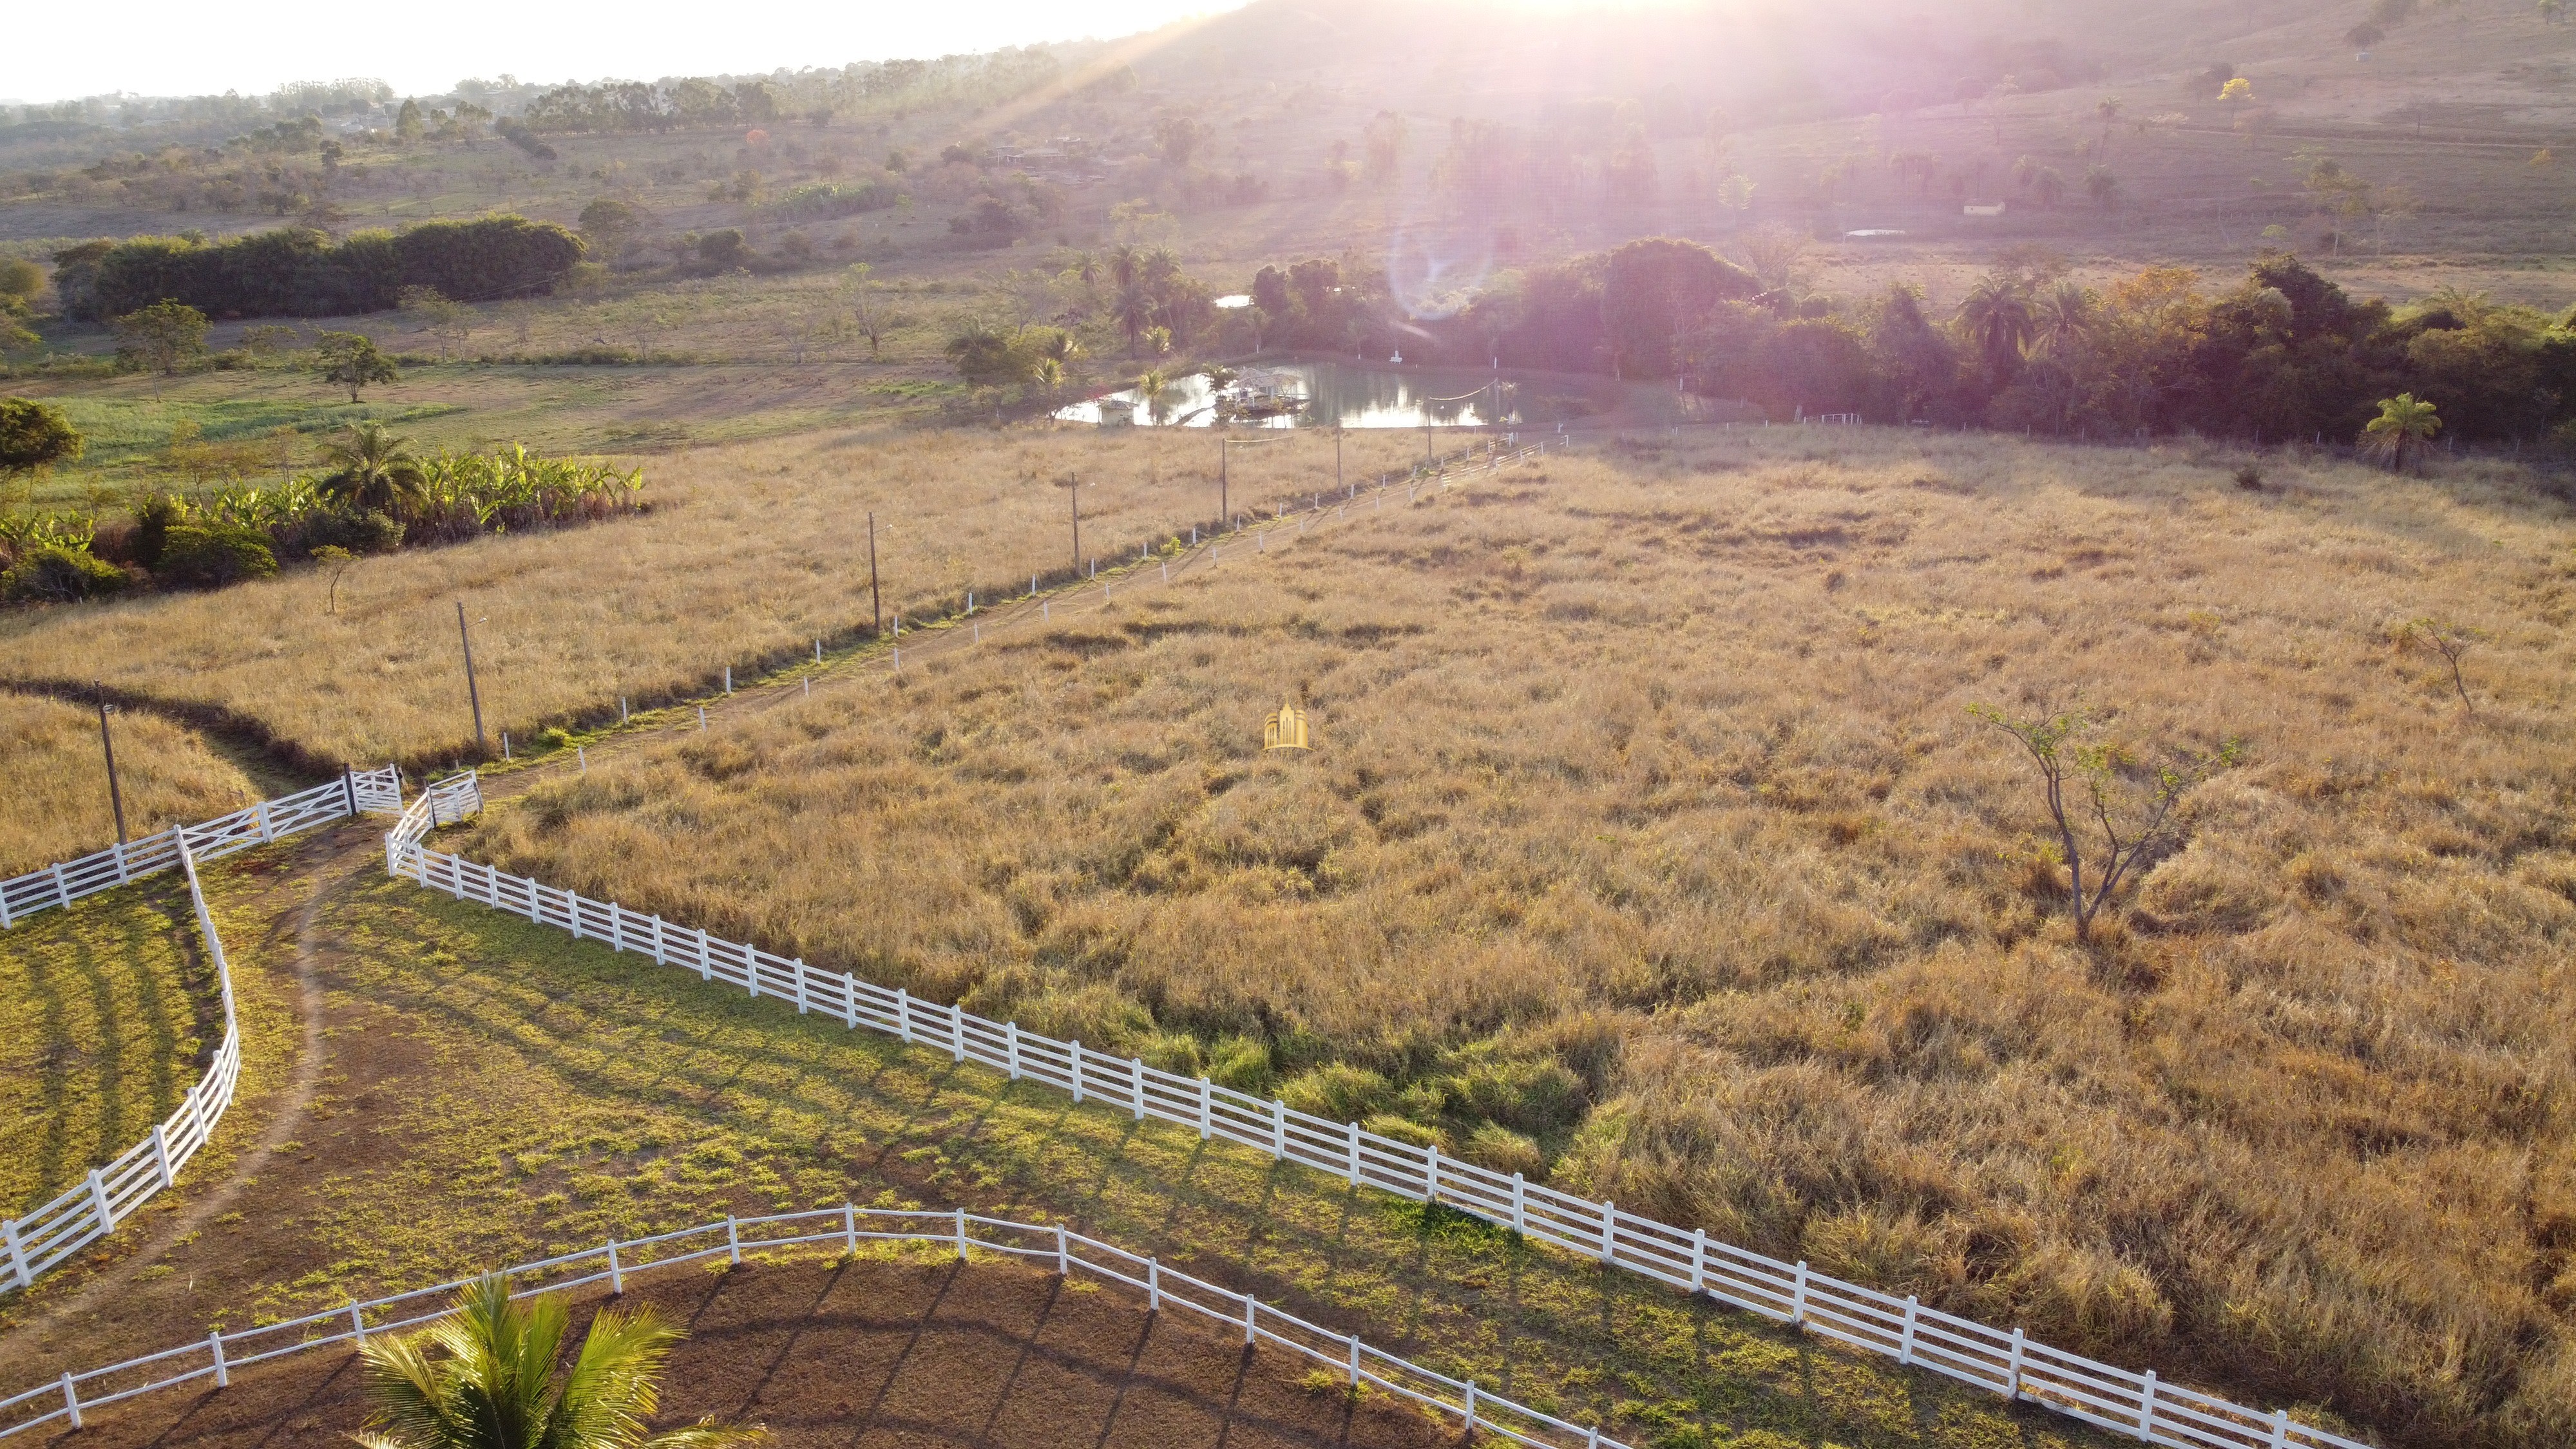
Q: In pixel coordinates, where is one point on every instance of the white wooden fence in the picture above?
(2006, 1363)
(843, 1228)
(89, 1210)
(61, 884)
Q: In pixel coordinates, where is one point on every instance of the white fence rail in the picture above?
(2007, 1363)
(61, 884)
(220, 1355)
(90, 1209)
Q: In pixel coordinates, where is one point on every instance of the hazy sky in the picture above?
(187, 47)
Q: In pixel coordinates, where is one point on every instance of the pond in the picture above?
(1321, 394)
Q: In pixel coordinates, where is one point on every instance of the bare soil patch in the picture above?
(875, 1354)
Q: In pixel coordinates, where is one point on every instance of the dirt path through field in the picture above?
(319, 868)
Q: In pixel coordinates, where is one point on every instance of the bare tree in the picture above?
(2449, 640)
(2127, 802)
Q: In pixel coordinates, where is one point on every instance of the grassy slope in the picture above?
(54, 776)
(752, 551)
(107, 1017)
(497, 1091)
(1672, 746)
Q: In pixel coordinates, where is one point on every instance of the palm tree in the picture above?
(1151, 384)
(2060, 319)
(375, 469)
(484, 1378)
(2402, 424)
(1996, 315)
(1133, 310)
(2102, 186)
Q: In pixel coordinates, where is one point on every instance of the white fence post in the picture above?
(1354, 1151)
(1153, 1285)
(850, 1228)
(1431, 1173)
(2147, 1407)
(17, 1254)
(1251, 1309)
(98, 1200)
(2012, 1378)
(616, 1275)
(1205, 1092)
(71, 1400)
(161, 1152)
(706, 968)
(2280, 1417)
(1471, 1408)
(1063, 1260)
(358, 1323)
(1075, 1056)
(903, 1016)
(961, 1235)
(1278, 1128)
(1136, 1084)
(1798, 1296)
(957, 1030)
(1609, 1231)
(1699, 1259)
(1011, 1045)
(799, 969)
(215, 1346)
(1520, 1199)
(1905, 1339)
(733, 1241)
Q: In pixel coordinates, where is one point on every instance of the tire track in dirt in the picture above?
(335, 862)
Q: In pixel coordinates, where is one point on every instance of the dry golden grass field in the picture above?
(750, 553)
(1649, 844)
(54, 776)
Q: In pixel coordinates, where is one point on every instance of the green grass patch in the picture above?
(501, 1091)
(108, 1014)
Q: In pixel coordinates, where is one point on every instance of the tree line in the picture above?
(302, 272)
(2283, 354)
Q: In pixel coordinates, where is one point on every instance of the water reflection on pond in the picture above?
(1320, 394)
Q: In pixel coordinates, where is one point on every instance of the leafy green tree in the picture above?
(608, 224)
(21, 281)
(35, 435)
(161, 336)
(408, 127)
(352, 360)
(445, 320)
(485, 1377)
(2404, 426)
(2127, 803)
(373, 468)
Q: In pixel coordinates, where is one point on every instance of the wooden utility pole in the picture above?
(473, 696)
(876, 603)
(107, 742)
(1073, 488)
(1224, 515)
(1337, 453)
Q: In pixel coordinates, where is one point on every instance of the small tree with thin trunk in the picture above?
(2451, 641)
(162, 336)
(352, 360)
(2125, 802)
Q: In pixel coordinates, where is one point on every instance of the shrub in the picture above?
(370, 530)
(35, 435)
(1242, 1063)
(1337, 1092)
(1501, 1149)
(214, 555)
(1532, 1096)
(153, 519)
(57, 575)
